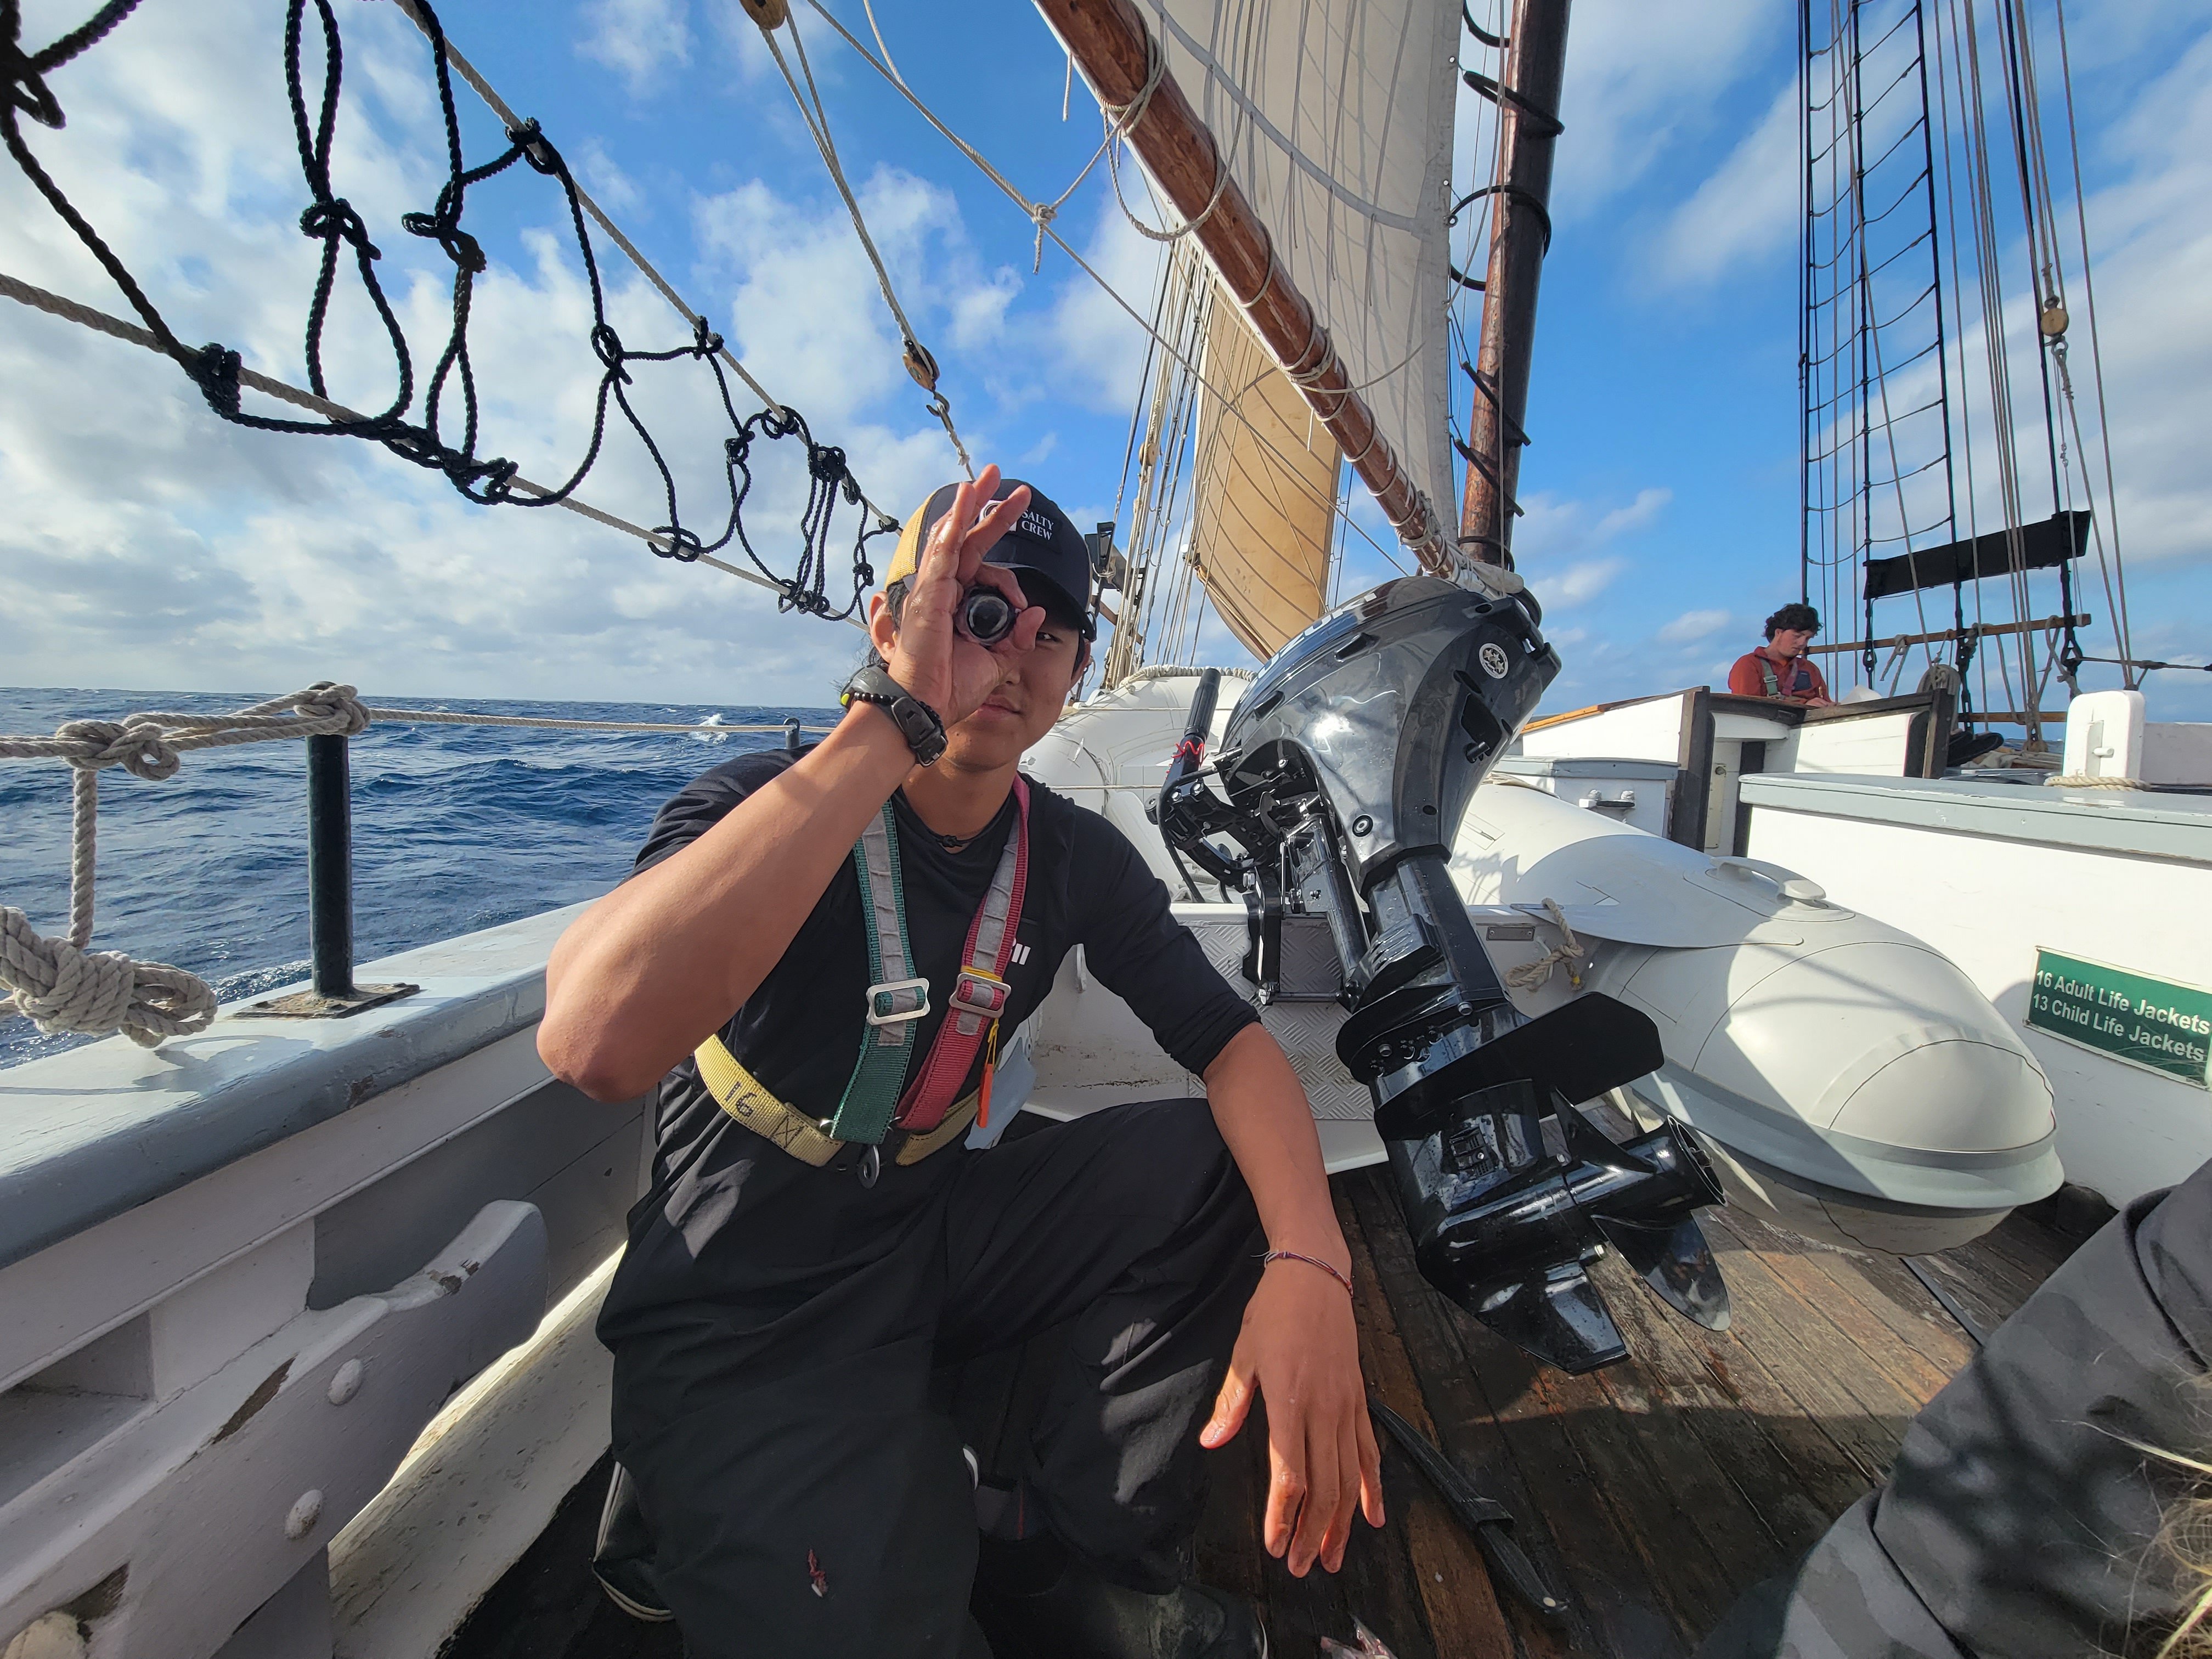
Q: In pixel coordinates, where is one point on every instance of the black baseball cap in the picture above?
(1048, 553)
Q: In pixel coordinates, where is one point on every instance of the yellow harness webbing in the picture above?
(745, 1098)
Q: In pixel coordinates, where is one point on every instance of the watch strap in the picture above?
(918, 723)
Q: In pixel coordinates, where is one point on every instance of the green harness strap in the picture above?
(896, 1000)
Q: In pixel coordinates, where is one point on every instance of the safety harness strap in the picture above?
(979, 995)
(896, 1000)
(745, 1098)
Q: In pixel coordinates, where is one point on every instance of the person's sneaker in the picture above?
(1034, 1603)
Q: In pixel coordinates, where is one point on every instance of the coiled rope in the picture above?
(60, 984)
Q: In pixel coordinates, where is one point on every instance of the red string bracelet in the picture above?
(1311, 1261)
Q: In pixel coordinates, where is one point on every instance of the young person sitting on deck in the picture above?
(821, 1234)
(1780, 669)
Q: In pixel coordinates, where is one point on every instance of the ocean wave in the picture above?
(455, 828)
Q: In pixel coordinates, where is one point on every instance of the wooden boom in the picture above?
(1110, 43)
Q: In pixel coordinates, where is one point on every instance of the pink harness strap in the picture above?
(978, 996)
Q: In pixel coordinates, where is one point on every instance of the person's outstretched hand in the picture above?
(935, 658)
(1301, 1349)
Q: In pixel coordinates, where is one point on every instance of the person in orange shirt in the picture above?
(1779, 669)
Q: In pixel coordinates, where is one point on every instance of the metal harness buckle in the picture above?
(979, 991)
(891, 987)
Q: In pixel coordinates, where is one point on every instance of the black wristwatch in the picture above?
(916, 721)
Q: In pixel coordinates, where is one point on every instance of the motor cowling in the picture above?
(1347, 766)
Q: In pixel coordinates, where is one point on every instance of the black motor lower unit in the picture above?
(1505, 1225)
(1347, 766)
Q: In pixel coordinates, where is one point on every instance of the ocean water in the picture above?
(455, 828)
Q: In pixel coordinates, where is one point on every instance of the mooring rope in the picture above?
(59, 984)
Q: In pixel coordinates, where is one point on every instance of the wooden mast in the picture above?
(1109, 41)
(1521, 229)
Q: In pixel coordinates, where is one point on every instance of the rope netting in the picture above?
(441, 430)
(61, 984)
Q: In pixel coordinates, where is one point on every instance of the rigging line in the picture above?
(2017, 74)
(99, 322)
(450, 717)
(1081, 264)
(1873, 338)
(1966, 66)
(1144, 374)
(2121, 625)
(499, 107)
(920, 364)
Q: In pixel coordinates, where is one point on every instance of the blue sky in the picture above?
(151, 547)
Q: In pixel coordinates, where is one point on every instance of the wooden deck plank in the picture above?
(1496, 1423)
(1228, 1541)
(1971, 1290)
(1743, 1444)
(2007, 1264)
(1808, 1356)
(1459, 1605)
(1901, 1304)
(1650, 1493)
(2036, 1250)
(1672, 1505)
(1915, 1377)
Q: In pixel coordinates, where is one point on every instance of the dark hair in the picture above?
(1795, 614)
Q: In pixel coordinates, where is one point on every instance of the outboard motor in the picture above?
(1347, 768)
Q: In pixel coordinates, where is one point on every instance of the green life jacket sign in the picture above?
(2155, 1024)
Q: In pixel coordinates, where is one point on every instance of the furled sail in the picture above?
(1263, 507)
(1336, 118)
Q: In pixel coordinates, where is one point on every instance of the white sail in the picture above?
(1263, 507)
(1336, 116)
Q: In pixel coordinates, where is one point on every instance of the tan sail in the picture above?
(1262, 517)
(1335, 119)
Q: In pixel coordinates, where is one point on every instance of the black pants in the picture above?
(806, 1495)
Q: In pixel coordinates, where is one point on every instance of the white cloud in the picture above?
(148, 545)
(1627, 100)
(637, 38)
(1746, 209)
(1579, 583)
(1637, 514)
(614, 189)
(1097, 348)
(1692, 625)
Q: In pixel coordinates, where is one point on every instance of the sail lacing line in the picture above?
(64, 985)
(1158, 338)
(1121, 121)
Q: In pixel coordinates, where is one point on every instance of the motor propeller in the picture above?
(1347, 766)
